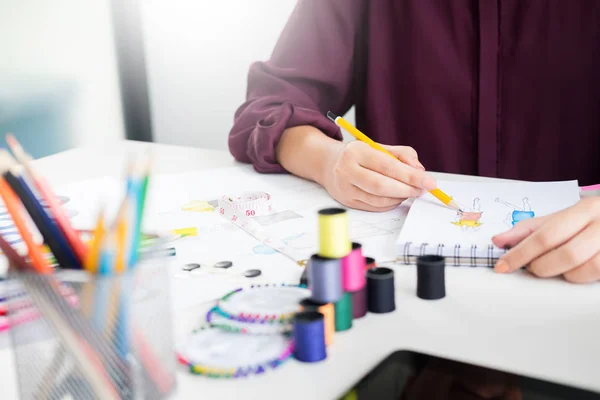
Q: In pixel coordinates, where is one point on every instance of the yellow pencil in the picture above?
(93, 255)
(342, 123)
(121, 230)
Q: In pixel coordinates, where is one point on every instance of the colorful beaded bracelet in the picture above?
(234, 372)
(261, 328)
(250, 317)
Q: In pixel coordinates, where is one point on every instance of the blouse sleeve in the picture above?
(308, 74)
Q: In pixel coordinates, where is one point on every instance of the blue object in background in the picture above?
(38, 114)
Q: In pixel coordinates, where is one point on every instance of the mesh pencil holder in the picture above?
(83, 336)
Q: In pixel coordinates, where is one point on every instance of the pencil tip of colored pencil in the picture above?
(331, 116)
(15, 146)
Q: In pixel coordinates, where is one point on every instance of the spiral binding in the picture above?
(457, 258)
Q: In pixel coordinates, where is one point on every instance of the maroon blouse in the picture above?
(500, 88)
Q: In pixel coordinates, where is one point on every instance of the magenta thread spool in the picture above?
(353, 269)
(359, 303)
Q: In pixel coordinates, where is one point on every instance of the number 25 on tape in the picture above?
(250, 213)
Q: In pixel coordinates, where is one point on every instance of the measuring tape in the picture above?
(240, 210)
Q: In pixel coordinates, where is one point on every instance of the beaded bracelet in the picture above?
(212, 371)
(225, 309)
(232, 325)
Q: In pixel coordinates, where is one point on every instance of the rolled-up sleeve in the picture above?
(309, 73)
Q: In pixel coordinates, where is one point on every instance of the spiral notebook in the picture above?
(488, 208)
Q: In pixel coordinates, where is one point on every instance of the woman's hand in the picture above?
(565, 243)
(361, 177)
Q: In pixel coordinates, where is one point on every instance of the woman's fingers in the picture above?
(406, 154)
(381, 185)
(570, 255)
(554, 232)
(586, 273)
(385, 165)
(378, 202)
(517, 233)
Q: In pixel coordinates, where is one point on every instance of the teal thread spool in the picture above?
(343, 313)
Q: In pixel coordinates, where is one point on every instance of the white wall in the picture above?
(198, 53)
(49, 45)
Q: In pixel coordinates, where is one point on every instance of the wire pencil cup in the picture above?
(108, 338)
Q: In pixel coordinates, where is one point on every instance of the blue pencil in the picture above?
(51, 233)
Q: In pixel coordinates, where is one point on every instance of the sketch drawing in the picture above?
(265, 249)
(518, 214)
(470, 220)
(198, 206)
(9, 231)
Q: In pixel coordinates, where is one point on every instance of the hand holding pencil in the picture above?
(362, 174)
(379, 177)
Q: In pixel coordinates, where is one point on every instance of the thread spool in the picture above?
(353, 269)
(325, 279)
(370, 263)
(328, 312)
(304, 277)
(334, 241)
(431, 277)
(381, 297)
(343, 313)
(309, 336)
(359, 303)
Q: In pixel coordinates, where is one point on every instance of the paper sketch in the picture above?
(518, 214)
(427, 228)
(9, 231)
(470, 219)
(295, 202)
(198, 206)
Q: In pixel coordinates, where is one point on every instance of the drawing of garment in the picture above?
(518, 214)
(470, 219)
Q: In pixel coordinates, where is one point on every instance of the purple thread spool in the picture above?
(325, 279)
(359, 303)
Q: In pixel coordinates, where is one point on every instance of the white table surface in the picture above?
(545, 329)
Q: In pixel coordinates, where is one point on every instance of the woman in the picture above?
(505, 88)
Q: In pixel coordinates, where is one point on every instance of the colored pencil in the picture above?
(12, 205)
(45, 190)
(135, 252)
(93, 255)
(121, 230)
(348, 127)
(52, 235)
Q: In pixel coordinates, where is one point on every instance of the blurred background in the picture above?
(78, 73)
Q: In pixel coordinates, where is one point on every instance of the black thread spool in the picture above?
(431, 277)
(381, 296)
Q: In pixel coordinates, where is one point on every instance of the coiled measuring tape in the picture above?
(242, 209)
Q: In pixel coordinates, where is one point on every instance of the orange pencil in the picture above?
(62, 220)
(13, 206)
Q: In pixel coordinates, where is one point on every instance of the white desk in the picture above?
(546, 329)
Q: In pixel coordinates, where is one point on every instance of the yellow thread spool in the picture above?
(334, 240)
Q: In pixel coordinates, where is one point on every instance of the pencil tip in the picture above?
(331, 116)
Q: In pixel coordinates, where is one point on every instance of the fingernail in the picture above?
(501, 266)
(429, 184)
